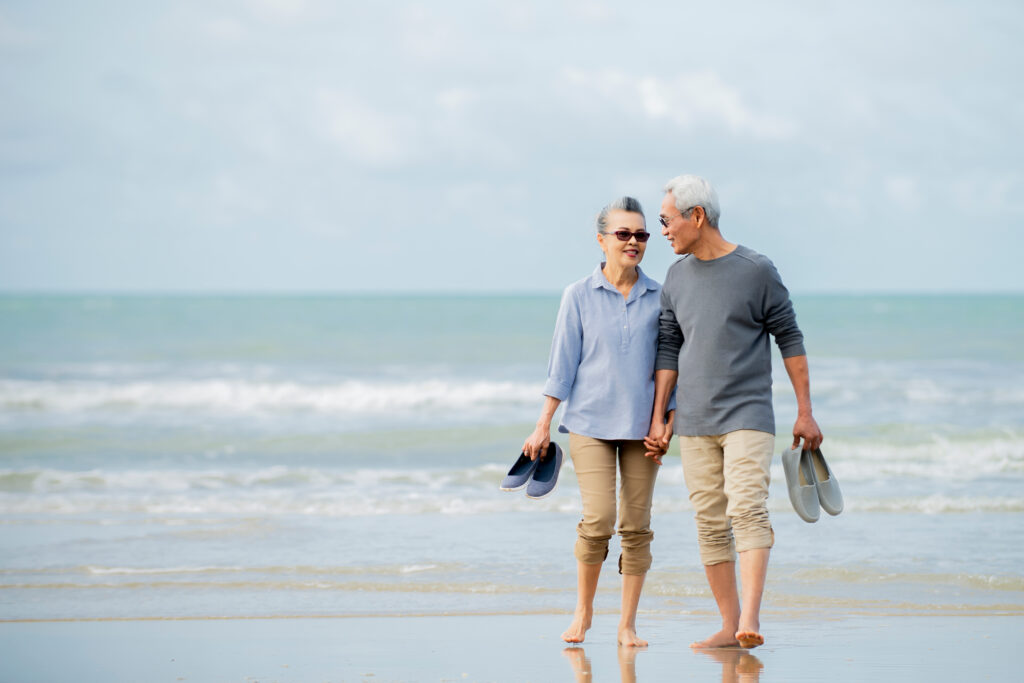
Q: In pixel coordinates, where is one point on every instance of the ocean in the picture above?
(166, 457)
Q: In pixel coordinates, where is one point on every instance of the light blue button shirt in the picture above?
(602, 357)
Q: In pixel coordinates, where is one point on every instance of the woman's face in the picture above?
(621, 253)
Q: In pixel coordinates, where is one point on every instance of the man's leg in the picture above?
(753, 570)
(722, 580)
(748, 456)
(703, 469)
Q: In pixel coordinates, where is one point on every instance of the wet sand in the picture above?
(506, 648)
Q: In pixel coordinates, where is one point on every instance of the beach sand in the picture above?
(520, 647)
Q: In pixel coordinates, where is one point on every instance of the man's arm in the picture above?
(666, 373)
(661, 419)
(805, 427)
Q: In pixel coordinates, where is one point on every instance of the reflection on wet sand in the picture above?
(738, 665)
(581, 664)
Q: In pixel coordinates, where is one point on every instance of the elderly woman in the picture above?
(602, 366)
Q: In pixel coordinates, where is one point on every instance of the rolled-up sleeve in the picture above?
(566, 348)
(670, 336)
(779, 316)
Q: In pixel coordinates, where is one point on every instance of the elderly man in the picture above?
(719, 303)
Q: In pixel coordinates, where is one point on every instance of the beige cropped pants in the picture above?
(597, 462)
(728, 477)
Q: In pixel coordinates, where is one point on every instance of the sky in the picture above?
(308, 146)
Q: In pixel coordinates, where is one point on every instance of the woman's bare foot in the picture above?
(748, 634)
(724, 638)
(749, 639)
(629, 638)
(578, 628)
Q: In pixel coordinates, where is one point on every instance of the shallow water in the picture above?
(205, 456)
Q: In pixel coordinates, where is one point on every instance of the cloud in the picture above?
(903, 191)
(12, 36)
(591, 11)
(456, 99)
(280, 9)
(428, 35)
(363, 132)
(224, 29)
(987, 193)
(692, 100)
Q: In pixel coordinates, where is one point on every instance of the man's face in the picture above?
(682, 233)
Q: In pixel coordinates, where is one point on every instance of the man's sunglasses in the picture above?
(624, 235)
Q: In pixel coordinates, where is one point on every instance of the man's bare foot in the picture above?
(578, 628)
(749, 639)
(724, 638)
(629, 638)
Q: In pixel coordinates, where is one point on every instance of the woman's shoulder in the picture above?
(579, 287)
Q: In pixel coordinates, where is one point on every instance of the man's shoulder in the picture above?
(754, 257)
(759, 265)
(677, 268)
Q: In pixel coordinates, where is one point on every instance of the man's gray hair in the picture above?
(690, 191)
(621, 204)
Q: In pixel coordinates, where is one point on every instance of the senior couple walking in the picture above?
(636, 362)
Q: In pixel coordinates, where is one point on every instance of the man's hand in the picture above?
(658, 437)
(807, 429)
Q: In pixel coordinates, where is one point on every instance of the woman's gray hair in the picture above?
(690, 191)
(621, 204)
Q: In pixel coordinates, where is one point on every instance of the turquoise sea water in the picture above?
(197, 456)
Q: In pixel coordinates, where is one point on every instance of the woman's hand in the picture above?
(658, 437)
(537, 443)
(653, 441)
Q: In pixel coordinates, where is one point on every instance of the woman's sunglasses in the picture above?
(624, 235)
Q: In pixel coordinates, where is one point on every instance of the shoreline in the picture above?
(491, 647)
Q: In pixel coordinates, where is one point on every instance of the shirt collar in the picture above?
(643, 284)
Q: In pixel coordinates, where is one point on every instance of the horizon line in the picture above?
(453, 292)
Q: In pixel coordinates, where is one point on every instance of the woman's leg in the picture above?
(632, 585)
(636, 494)
(586, 587)
(594, 462)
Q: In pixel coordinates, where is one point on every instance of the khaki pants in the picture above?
(728, 477)
(596, 461)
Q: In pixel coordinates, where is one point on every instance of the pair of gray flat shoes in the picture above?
(539, 476)
(811, 484)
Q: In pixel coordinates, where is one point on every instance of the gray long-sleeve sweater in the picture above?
(715, 319)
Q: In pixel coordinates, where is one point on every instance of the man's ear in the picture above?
(699, 215)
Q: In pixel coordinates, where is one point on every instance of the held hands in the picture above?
(658, 437)
(807, 429)
(537, 443)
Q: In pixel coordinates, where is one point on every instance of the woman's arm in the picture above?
(537, 443)
(564, 360)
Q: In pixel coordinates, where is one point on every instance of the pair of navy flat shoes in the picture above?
(539, 476)
(812, 486)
